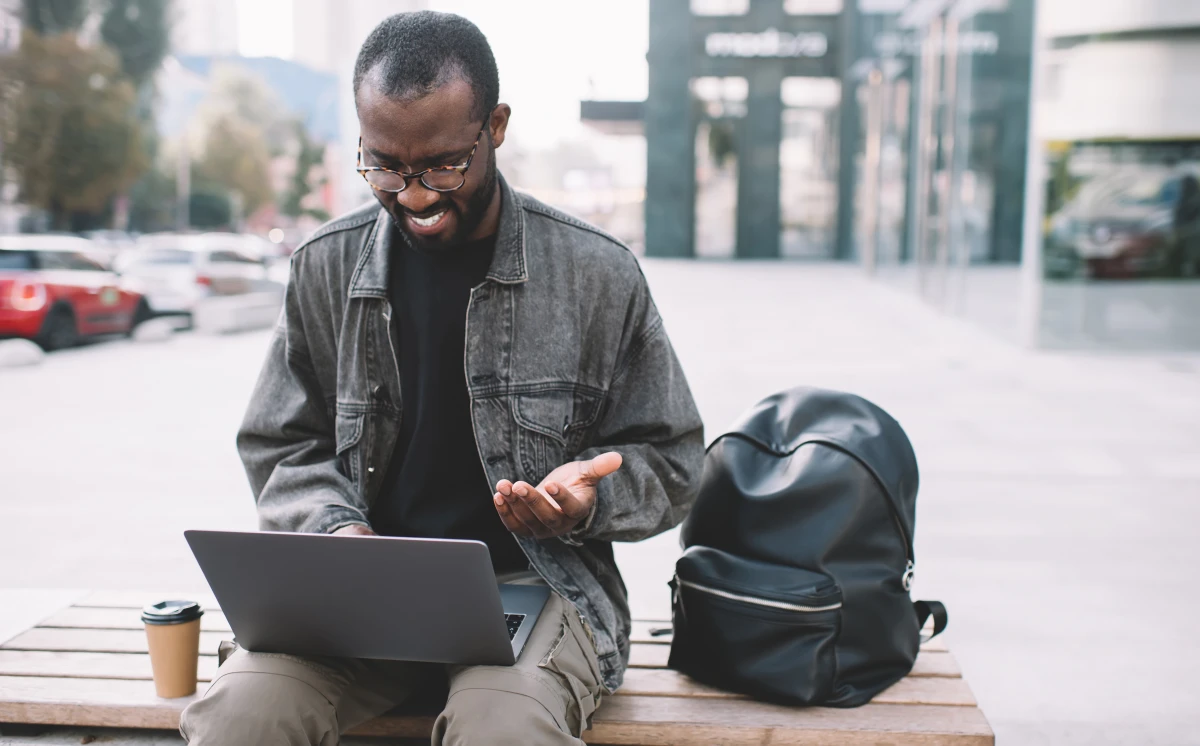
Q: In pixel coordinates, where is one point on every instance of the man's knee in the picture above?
(501, 718)
(248, 702)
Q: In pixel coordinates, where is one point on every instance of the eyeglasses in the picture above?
(438, 179)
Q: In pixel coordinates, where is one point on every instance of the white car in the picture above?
(176, 271)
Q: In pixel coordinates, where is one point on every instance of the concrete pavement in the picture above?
(1057, 517)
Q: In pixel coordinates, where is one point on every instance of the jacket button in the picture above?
(380, 394)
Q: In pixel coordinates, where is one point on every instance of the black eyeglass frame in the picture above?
(460, 169)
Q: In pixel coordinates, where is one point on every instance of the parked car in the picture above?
(53, 293)
(107, 245)
(176, 271)
(1137, 222)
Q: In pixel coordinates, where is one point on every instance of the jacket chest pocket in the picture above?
(348, 431)
(552, 427)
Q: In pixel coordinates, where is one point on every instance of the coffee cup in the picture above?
(173, 634)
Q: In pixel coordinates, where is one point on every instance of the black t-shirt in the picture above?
(436, 486)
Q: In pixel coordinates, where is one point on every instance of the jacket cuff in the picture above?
(333, 520)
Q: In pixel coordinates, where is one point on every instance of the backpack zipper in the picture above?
(753, 599)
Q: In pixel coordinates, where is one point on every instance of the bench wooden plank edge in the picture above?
(621, 720)
(638, 682)
(97, 611)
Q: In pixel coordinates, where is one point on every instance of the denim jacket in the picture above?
(565, 358)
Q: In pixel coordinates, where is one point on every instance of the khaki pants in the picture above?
(548, 697)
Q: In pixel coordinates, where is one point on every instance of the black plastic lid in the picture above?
(171, 612)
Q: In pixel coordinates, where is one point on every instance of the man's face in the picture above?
(438, 129)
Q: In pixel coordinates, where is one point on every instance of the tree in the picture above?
(308, 154)
(236, 92)
(152, 201)
(239, 117)
(210, 209)
(49, 17)
(236, 157)
(70, 129)
(140, 32)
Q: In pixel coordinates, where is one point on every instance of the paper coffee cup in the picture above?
(173, 633)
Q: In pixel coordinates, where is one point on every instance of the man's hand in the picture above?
(355, 529)
(558, 504)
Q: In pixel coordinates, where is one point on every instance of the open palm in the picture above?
(559, 502)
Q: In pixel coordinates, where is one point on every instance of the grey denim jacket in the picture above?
(565, 358)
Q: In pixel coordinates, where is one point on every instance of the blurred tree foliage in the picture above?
(50, 17)
(78, 118)
(242, 131)
(308, 155)
(68, 124)
(236, 157)
(210, 209)
(152, 201)
(140, 32)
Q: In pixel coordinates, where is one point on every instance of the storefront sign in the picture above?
(769, 43)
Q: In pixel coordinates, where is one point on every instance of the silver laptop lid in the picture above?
(361, 597)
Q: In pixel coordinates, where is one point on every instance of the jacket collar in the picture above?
(370, 277)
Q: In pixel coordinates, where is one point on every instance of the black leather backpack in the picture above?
(794, 586)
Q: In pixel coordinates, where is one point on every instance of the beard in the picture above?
(468, 218)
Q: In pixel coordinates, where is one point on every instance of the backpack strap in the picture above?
(935, 609)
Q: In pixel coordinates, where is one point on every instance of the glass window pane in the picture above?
(808, 167)
(83, 263)
(16, 260)
(53, 260)
(812, 7)
(163, 256)
(720, 7)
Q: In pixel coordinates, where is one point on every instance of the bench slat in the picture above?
(133, 640)
(908, 691)
(121, 610)
(86, 665)
(78, 617)
(99, 640)
(112, 616)
(670, 721)
(138, 599)
(638, 682)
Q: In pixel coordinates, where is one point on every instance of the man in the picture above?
(464, 363)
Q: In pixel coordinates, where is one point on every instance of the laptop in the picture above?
(433, 600)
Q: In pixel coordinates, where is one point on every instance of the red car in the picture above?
(52, 293)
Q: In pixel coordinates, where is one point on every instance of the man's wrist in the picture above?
(576, 535)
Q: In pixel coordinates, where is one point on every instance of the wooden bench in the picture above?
(87, 665)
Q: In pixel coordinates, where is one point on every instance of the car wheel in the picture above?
(140, 314)
(59, 330)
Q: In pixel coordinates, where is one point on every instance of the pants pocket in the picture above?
(573, 659)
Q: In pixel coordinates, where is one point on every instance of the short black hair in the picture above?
(416, 53)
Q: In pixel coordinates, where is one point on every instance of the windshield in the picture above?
(161, 256)
(1131, 190)
(16, 260)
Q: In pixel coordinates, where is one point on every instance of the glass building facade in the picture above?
(1032, 167)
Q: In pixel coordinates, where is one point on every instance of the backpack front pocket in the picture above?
(763, 629)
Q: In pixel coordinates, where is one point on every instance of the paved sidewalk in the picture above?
(1057, 517)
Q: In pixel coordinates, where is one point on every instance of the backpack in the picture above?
(794, 583)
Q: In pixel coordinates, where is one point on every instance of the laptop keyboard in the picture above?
(513, 622)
